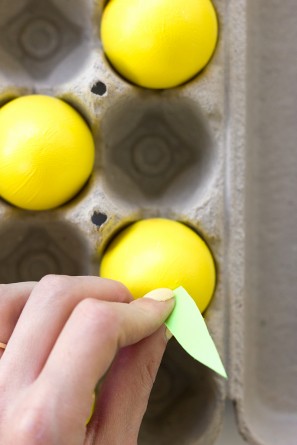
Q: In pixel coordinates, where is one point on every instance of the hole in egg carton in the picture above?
(183, 402)
(40, 40)
(98, 218)
(30, 251)
(157, 148)
(99, 88)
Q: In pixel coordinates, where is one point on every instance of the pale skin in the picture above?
(63, 335)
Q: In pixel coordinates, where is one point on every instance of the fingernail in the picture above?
(162, 294)
(168, 334)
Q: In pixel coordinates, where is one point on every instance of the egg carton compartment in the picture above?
(44, 41)
(31, 249)
(183, 390)
(263, 238)
(158, 154)
(161, 150)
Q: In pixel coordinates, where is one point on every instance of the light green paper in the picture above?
(189, 328)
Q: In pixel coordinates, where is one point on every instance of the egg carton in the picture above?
(262, 239)
(182, 154)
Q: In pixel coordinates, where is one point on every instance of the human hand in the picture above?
(64, 334)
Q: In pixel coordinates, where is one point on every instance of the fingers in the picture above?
(46, 312)
(92, 336)
(125, 392)
(13, 298)
(65, 339)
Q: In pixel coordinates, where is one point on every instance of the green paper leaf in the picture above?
(189, 328)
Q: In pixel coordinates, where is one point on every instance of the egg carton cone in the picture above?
(209, 154)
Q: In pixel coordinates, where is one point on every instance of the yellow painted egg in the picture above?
(46, 152)
(156, 253)
(92, 409)
(159, 43)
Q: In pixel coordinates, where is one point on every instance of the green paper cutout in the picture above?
(189, 328)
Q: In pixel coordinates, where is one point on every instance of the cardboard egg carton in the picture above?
(158, 154)
(179, 154)
(262, 220)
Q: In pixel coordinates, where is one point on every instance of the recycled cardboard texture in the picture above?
(263, 237)
(184, 181)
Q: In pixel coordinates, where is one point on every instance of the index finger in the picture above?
(43, 318)
(13, 297)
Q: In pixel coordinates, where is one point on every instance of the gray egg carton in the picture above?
(188, 154)
(262, 238)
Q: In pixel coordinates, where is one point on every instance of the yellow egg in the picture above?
(157, 253)
(46, 152)
(159, 43)
(92, 409)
